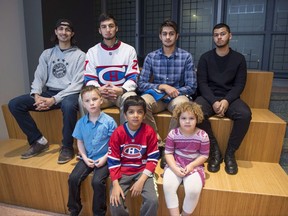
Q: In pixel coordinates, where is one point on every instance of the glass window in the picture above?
(125, 13)
(279, 44)
(196, 45)
(251, 47)
(279, 53)
(281, 16)
(196, 24)
(197, 16)
(155, 12)
(246, 15)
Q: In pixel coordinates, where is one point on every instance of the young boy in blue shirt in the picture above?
(92, 132)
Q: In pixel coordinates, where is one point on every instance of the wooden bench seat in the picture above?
(259, 188)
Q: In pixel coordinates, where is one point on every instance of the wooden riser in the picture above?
(258, 189)
(263, 141)
(266, 132)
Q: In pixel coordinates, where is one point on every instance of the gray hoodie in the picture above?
(61, 71)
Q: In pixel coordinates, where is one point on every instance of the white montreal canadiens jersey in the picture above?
(115, 65)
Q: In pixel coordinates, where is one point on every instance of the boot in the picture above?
(215, 158)
(231, 166)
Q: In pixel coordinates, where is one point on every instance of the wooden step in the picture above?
(40, 182)
(263, 141)
(257, 91)
(258, 189)
(265, 128)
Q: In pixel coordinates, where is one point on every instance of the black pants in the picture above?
(238, 111)
(79, 173)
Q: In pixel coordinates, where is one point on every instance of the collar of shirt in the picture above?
(98, 120)
(175, 53)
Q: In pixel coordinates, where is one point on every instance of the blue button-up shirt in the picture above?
(95, 136)
(176, 70)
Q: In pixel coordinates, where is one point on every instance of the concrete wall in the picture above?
(14, 73)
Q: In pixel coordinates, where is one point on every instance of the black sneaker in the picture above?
(35, 149)
(66, 154)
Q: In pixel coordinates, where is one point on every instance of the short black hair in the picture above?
(168, 23)
(221, 25)
(134, 101)
(105, 16)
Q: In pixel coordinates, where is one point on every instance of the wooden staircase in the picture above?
(260, 187)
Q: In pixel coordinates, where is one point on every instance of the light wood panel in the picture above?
(265, 128)
(263, 141)
(258, 87)
(163, 121)
(49, 123)
(41, 183)
(34, 182)
(258, 189)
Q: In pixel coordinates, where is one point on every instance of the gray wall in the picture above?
(14, 62)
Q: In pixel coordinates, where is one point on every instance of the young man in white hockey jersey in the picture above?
(112, 66)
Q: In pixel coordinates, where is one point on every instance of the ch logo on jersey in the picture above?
(59, 69)
(113, 74)
(132, 151)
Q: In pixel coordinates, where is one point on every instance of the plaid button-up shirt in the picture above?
(176, 70)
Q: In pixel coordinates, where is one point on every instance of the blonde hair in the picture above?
(189, 107)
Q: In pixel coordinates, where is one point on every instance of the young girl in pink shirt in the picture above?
(186, 150)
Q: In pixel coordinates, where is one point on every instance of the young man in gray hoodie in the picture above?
(57, 82)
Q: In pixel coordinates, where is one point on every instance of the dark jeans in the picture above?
(79, 173)
(20, 107)
(238, 111)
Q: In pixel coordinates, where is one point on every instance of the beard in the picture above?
(222, 45)
(110, 38)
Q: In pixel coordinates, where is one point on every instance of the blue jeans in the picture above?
(79, 173)
(21, 105)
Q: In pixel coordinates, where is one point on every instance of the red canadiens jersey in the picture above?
(129, 154)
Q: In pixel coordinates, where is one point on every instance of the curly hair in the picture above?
(189, 107)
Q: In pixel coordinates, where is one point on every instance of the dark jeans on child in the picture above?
(79, 173)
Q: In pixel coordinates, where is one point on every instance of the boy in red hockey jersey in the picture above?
(132, 158)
